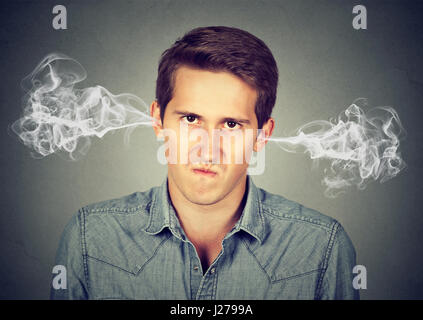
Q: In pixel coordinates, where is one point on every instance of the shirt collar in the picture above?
(252, 218)
(162, 213)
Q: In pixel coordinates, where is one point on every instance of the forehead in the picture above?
(206, 91)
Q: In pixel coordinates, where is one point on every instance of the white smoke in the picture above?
(59, 117)
(361, 147)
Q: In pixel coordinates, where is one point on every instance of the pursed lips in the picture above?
(204, 172)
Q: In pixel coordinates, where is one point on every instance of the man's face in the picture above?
(215, 105)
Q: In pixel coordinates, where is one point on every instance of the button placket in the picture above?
(195, 273)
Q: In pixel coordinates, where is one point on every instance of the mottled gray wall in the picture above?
(324, 65)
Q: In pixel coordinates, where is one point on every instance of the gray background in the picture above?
(324, 65)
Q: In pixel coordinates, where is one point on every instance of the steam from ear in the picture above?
(361, 147)
(59, 117)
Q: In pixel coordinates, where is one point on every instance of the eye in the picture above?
(190, 119)
(232, 125)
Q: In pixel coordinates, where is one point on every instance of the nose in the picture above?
(206, 151)
(212, 149)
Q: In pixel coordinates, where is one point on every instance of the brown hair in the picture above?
(221, 48)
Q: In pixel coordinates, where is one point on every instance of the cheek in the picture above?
(179, 143)
(172, 140)
(249, 145)
(241, 147)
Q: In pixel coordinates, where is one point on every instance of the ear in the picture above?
(155, 114)
(264, 134)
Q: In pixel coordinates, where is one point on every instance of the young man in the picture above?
(208, 232)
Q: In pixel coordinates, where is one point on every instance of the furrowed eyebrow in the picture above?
(187, 113)
(245, 121)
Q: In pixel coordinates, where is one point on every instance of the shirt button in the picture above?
(212, 270)
(196, 268)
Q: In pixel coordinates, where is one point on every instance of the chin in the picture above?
(204, 202)
(202, 197)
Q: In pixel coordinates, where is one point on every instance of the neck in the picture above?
(211, 221)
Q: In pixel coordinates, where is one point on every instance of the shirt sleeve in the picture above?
(70, 257)
(337, 279)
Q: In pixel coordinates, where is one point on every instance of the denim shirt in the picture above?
(135, 248)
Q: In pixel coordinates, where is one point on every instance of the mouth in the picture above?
(205, 172)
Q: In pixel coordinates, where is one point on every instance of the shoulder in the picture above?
(132, 203)
(107, 216)
(283, 214)
(109, 230)
(299, 240)
(279, 209)
(117, 217)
